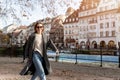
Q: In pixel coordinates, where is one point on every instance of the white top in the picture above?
(38, 45)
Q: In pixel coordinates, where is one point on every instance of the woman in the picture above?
(36, 49)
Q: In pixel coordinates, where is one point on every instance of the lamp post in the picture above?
(101, 55)
(118, 37)
(119, 53)
(76, 51)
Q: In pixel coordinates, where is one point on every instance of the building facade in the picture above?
(98, 24)
(19, 36)
(71, 31)
(57, 34)
(95, 24)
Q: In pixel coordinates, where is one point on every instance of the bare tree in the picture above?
(15, 9)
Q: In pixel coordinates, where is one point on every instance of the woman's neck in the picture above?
(39, 33)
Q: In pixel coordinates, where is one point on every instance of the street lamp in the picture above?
(119, 53)
(76, 50)
(101, 55)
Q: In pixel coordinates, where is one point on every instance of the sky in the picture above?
(35, 14)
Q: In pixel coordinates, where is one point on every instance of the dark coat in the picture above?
(29, 51)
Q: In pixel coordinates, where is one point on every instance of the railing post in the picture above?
(76, 52)
(56, 59)
(76, 58)
(119, 53)
(119, 57)
(57, 56)
(101, 56)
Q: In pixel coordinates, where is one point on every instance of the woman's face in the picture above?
(39, 28)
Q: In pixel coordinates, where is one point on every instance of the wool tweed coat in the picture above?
(29, 67)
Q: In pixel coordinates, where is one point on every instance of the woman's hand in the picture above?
(57, 52)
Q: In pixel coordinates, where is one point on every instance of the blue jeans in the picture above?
(39, 71)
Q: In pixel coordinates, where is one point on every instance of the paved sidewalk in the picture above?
(10, 68)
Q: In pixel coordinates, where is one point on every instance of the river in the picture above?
(86, 58)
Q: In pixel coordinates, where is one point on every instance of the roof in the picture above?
(16, 33)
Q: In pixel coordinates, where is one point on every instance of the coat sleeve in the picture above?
(51, 45)
(26, 48)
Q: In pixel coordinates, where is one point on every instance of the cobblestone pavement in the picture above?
(10, 68)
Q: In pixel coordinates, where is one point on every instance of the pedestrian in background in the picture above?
(36, 48)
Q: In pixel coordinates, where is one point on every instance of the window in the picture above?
(86, 6)
(66, 20)
(101, 9)
(87, 12)
(69, 31)
(96, 4)
(66, 32)
(107, 25)
(101, 17)
(107, 33)
(83, 7)
(119, 28)
(101, 34)
(92, 5)
(76, 18)
(113, 24)
(112, 6)
(101, 25)
(73, 19)
(113, 33)
(106, 7)
(107, 16)
(112, 16)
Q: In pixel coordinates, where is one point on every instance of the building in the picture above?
(47, 26)
(52, 31)
(19, 36)
(97, 25)
(71, 30)
(88, 24)
(9, 28)
(57, 34)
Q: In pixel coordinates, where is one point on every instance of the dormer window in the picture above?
(76, 18)
(73, 19)
(83, 7)
(86, 6)
(66, 20)
(96, 4)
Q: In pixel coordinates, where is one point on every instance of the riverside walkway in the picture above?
(10, 68)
